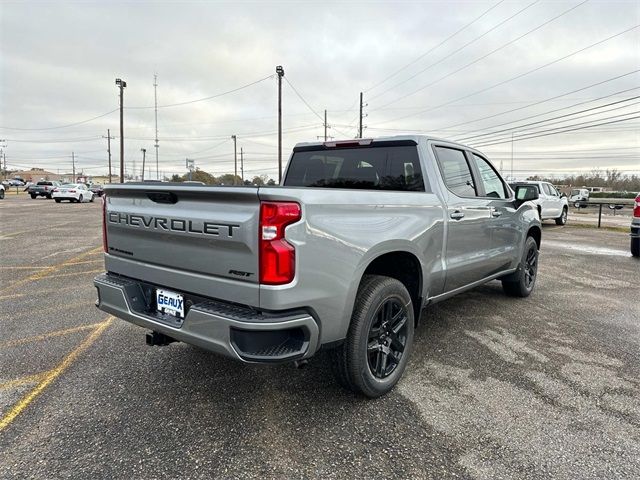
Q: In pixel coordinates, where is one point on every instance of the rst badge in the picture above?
(170, 302)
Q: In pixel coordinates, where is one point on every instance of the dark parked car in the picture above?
(97, 189)
(42, 189)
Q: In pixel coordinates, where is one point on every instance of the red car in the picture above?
(635, 228)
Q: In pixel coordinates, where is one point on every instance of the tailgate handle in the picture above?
(163, 197)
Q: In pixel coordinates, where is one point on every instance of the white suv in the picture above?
(551, 203)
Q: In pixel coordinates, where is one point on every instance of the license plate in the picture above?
(170, 302)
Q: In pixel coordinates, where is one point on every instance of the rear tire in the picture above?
(33, 196)
(635, 247)
(1, 194)
(80, 198)
(521, 282)
(562, 219)
(376, 350)
(57, 200)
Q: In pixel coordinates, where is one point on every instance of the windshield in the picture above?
(575, 191)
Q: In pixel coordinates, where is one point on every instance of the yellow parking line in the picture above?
(44, 336)
(99, 260)
(52, 375)
(16, 295)
(45, 272)
(38, 267)
(23, 380)
(58, 275)
(22, 268)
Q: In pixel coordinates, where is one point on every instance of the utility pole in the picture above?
(144, 155)
(3, 144)
(280, 72)
(325, 125)
(235, 158)
(241, 166)
(155, 99)
(190, 165)
(73, 165)
(109, 138)
(512, 179)
(360, 124)
(121, 84)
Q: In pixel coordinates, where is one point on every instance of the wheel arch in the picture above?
(535, 232)
(405, 267)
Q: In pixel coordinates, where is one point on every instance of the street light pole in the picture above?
(235, 158)
(280, 72)
(121, 84)
(144, 154)
(241, 166)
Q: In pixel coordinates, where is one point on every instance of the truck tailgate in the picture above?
(186, 237)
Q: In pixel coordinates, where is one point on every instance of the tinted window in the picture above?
(493, 186)
(455, 171)
(374, 168)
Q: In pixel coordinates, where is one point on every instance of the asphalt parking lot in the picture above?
(543, 387)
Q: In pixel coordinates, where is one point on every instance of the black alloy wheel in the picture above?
(387, 338)
(530, 267)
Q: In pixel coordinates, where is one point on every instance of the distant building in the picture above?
(37, 175)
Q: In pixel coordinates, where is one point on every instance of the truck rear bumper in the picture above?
(235, 331)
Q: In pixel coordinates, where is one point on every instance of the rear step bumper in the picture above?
(237, 332)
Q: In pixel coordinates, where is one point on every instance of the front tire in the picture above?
(521, 282)
(57, 200)
(33, 196)
(635, 247)
(562, 219)
(376, 350)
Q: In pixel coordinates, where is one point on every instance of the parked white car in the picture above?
(551, 203)
(579, 197)
(74, 192)
(1, 191)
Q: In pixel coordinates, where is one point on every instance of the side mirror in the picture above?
(526, 193)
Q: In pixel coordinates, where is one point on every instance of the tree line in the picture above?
(610, 178)
(227, 179)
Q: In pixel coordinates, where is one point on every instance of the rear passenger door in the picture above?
(552, 204)
(504, 224)
(468, 219)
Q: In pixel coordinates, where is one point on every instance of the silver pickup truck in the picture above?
(343, 255)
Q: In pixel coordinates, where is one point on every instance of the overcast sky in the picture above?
(434, 67)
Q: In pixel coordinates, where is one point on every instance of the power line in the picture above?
(211, 97)
(63, 126)
(517, 76)
(544, 101)
(452, 53)
(519, 127)
(516, 139)
(485, 56)
(556, 110)
(433, 48)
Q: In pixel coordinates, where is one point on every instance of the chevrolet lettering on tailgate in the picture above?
(173, 224)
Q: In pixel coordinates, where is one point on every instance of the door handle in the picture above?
(457, 215)
(496, 213)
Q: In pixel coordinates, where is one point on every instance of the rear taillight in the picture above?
(277, 256)
(72, 191)
(636, 207)
(105, 246)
